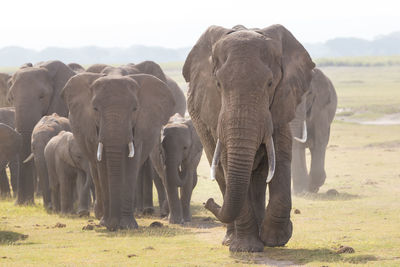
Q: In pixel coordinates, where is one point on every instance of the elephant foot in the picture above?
(175, 219)
(276, 234)
(248, 243)
(126, 223)
(84, 213)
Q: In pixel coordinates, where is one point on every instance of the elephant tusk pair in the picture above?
(100, 150)
(29, 158)
(304, 137)
(270, 154)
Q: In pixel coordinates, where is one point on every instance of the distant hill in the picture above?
(15, 56)
(385, 45)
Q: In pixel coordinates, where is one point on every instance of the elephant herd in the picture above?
(104, 134)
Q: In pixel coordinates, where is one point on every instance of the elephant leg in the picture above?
(161, 195)
(138, 200)
(42, 173)
(66, 190)
(276, 228)
(55, 198)
(102, 206)
(317, 170)
(14, 172)
(83, 193)
(4, 184)
(25, 180)
(148, 174)
(299, 168)
(174, 204)
(98, 200)
(186, 196)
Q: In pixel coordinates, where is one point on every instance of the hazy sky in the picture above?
(171, 23)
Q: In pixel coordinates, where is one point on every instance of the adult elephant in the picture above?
(120, 117)
(44, 130)
(144, 196)
(77, 68)
(10, 146)
(244, 86)
(35, 92)
(7, 116)
(175, 159)
(4, 84)
(311, 129)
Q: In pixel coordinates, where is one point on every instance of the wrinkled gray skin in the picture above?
(144, 195)
(35, 92)
(114, 111)
(68, 172)
(7, 117)
(10, 146)
(44, 130)
(76, 67)
(317, 108)
(175, 159)
(244, 86)
(4, 84)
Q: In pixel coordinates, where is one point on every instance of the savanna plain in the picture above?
(362, 165)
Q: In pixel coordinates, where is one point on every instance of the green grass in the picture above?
(362, 164)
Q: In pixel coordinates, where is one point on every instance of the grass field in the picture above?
(363, 165)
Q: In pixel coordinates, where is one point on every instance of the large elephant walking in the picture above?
(35, 92)
(311, 129)
(116, 120)
(244, 86)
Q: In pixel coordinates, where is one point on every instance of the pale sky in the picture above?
(172, 23)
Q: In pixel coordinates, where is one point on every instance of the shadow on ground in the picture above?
(9, 237)
(145, 231)
(289, 257)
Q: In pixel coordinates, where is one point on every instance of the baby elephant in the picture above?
(10, 146)
(175, 159)
(68, 169)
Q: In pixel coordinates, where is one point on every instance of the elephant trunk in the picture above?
(115, 174)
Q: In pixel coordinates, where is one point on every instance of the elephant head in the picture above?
(253, 79)
(10, 144)
(35, 92)
(120, 117)
(76, 67)
(180, 146)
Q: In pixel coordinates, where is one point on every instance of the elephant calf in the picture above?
(68, 169)
(44, 130)
(175, 159)
(10, 146)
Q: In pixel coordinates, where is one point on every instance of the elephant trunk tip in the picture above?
(216, 210)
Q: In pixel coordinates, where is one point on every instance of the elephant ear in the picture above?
(156, 104)
(77, 95)
(198, 65)
(148, 67)
(297, 66)
(59, 74)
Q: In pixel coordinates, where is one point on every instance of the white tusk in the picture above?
(131, 150)
(29, 158)
(99, 151)
(215, 160)
(271, 159)
(304, 137)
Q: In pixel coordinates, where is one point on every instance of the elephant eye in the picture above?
(41, 96)
(95, 109)
(269, 83)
